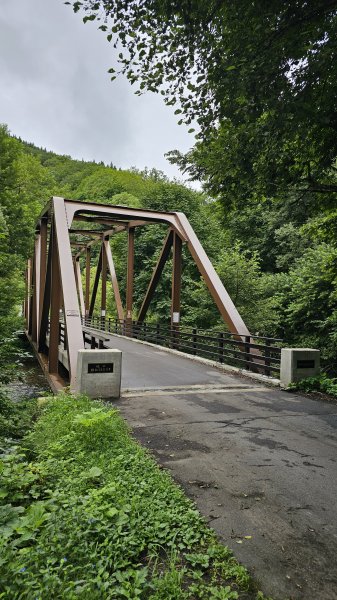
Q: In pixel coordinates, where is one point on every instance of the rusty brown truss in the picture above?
(54, 281)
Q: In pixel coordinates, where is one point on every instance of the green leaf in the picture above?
(94, 472)
(89, 18)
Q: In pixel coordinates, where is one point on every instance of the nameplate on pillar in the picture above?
(99, 368)
(72, 313)
(305, 364)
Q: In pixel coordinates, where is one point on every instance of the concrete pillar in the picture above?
(99, 373)
(298, 363)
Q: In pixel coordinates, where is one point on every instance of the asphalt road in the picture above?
(258, 462)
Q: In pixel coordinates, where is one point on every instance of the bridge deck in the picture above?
(259, 462)
(146, 366)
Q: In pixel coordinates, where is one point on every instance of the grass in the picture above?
(85, 512)
(323, 384)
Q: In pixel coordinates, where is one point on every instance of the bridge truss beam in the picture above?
(56, 303)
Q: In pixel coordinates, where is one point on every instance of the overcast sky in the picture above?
(56, 92)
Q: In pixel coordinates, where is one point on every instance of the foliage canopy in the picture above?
(259, 78)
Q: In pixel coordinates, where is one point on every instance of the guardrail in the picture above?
(253, 353)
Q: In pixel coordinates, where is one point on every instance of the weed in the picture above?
(87, 513)
(324, 384)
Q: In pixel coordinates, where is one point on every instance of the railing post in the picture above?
(247, 351)
(65, 345)
(220, 347)
(267, 358)
(175, 337)
(194, 338)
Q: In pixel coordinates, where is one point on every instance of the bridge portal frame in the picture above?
(54, 279)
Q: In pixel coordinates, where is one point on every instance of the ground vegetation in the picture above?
(85, 512)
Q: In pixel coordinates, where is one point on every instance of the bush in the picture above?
(324, 384)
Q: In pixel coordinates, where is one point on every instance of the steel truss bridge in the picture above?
(60, 313)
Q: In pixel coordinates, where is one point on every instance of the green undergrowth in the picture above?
(324, 384)
(87, 513)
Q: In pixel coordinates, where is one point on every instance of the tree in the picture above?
(258, 77)
(252, 293)
(309, 301)
(10, 280)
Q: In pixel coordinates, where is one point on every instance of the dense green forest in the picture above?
(276, 257)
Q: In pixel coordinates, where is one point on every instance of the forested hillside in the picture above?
(276, 258)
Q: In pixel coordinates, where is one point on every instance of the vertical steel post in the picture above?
(43, 265)
(44, 322)
(87, 282)
(28, 291)
(36, 289)
(103, 289)
(54, 308)
(176, 280)
(25, 301)
(176, 288)
(73, 325)
(130, 275)
(31, 297)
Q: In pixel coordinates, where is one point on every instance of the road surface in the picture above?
(257, 461)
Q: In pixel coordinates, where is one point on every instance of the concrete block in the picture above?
(298, 363)
(99, 373)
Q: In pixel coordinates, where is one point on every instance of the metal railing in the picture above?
(93, 338)
(253, 353)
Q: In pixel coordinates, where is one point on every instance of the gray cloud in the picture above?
(56, 92)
